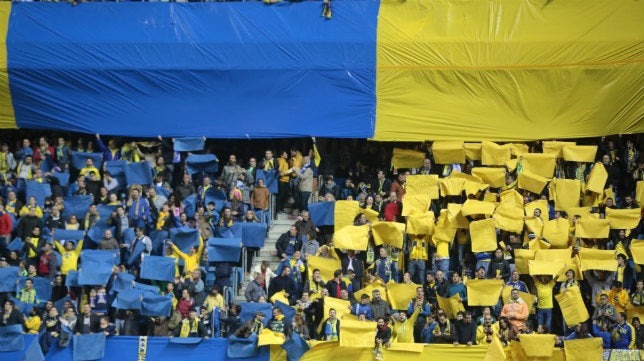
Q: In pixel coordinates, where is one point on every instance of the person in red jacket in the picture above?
(6, 224)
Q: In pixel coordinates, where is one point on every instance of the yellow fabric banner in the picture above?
(473, 151)
(421, 223)
(451, 186)
(494, 154)
(521, 258)
(422, 184)
(448, 152)
(495, 351)
(531, 182)
(579, 153)
(326, 266)
(595, 259)
(555, 147)
(407, 158)
(368, 290)
(637, 249)
(495, 177)
(635, 312)
(279, 296)
(578, 211)
(538, 244)
(567, 193)
(371, 215)
(388, 233)
(639, 193)
(268, 337)
(483, 235)
(352, 237)
(345, 212)
(534, 225)
(451, 305)
(540, 204)
(456, 217)
(623, 218)
(508, 217)
(490, 197)
(573, 264)
(483, 292)
(572, 306)
(585, 349)
(513, 197)
(418, 203)
(556, 255)
(516, 149)
(535, 345)
(597, 179)
(406, 347)
(550, 268)
(512, 164)
(541, 164)
(472, 206)
(399, 294)
(443, 231)
(357, 333)
(592, 228)
(340, 306)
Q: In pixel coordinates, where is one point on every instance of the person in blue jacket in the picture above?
(623, 334)
(603, 333)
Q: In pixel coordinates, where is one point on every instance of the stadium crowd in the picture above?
(349, 170)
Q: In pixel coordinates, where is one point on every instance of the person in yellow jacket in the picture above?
(403, 330)
(33, 322)
(618, 297)
(70, 255)
(191, 260)
(486, 332)
(171, 254)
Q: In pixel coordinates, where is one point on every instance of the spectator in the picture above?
(331, 327)
(87, 322)
(190, 327)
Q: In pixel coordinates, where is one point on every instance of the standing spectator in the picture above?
(331, 327)
(87, 322)
(465, 331)
(283, 184)
(190, 326)
(624, 333)
(288, 243)
(544, 285)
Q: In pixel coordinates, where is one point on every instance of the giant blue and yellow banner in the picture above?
(390, 70)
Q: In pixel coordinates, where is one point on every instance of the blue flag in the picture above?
(128, 300)
(270, 178)
(117, 170)
(89, 347)
(38, 190)
(146, 289)
(15, 245)
(34, 352)
(188, 144)
(196, 163)
(60, 304)
(79, 159)
(216, 196)
(158, 268)
(162, 191)
(224, 249)
(25, 308)
(239, 347)
(76, 205)
(249, 309)
(105, 211)
(41, 285)
(322, 213)
(138, 173)
(8, 278)
(184, 238)
(68, 235)
(253, 234)
(287, 310)
(11, 338)
(96, 267)
(97, 232)
(156, 305)
(123, 282)
(63, 178)
(72, 279)
(190, 205)
(47, 164)
(229, 232)
(295, 347)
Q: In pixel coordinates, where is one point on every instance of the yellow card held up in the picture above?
(567, 193)
(597, 179)
(345, 212)
(495, 177)
(388, 233)
(494, 154)
(448, 152)
(418, 203)
(592, 228)
(483, 235)
(585, 349)
(572, 306)
(451, 305)
(579, 153)
(472, 206)
(472, 151)
(357, 333)
(532, 182)
(623, 218)
(421, 223)
(352, 237)
(407, 158)
(542, 164)
(535, 345)
(399, 294)
(483, 292)
(422, 184)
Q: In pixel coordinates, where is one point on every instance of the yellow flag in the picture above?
(277, 352)
(594, 259)
(455, 216)
(556, 148)
(578, 211)
(388, 233)
(279, 296)
(521, 258)
(592, 228)
(422, 184)
(340, 306)
(540, 204)
(535, 345)
(483, 235)
(597, 178)
(326, 266)
(399, 294)
(639, 193)
(635, 312)
(448, 152)
(637, 249)
(623, 218)
(585, 349)
(495, 177)
(538, 244)
(371, 215)
(345, 212)
(532, 182)
(483, 292)
(407, 158)
(509, 217)
(472, 206)
(490, 197)
(268, 337)
(579, 153)
(534, 225)
(556, 231)
(352, 237)
(473, 151)
(516, 148)
(451, 305)
(469, 177)
(513, 197)
(550, 268)
(567, 193)
(494, 154)
(368, 290)
(421, 223)
(357, 333)
(495, 350)
(542, 164)
(451, 186)
(572, 306)
(512, 164)
(443, 232)
(557, 255)
(415, 203)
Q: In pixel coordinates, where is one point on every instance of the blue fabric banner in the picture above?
(156, 305)
(72, 279)
(79, 159)
(287, 310)
(217, 196)
(270, 178)
(117, 170)
(11, 338)
(25, 308)
(128, 300)
(105, 211)
(184, 238)
(157, 238)
(138, 173)
(89, 347)
(68, 235)
(96, 233)
(224, 249)
(229, 232)
(253, 234)
(146, 289)
(96, 266)
(249, 309)
(63, 178)
(322, 213)
(188, 144)
(239, 347)
(60, 304)
(158, 268)
(190, 204)
(15, 245)
(38, 190)
(41, 285)
(197, 163)
(47, 164)
(34, 351)
(123, 282)
(76, 205)
(8, 278)
(295, 347)
(135, 253)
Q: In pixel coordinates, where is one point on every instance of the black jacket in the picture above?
(283, 242)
